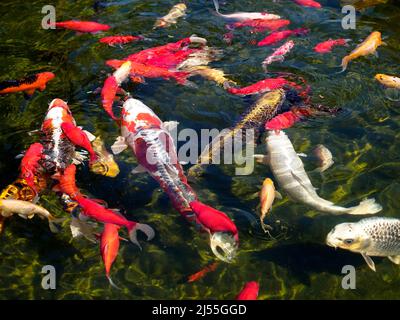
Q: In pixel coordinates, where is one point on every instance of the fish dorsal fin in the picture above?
(369, 261)
(119, 145)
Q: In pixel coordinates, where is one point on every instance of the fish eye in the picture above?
(348, 241)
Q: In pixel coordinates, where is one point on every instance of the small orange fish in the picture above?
(28, 85)
(200, 274)
(267, 197)
(109, 246)
(368, 46)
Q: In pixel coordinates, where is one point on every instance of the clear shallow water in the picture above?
(363, 140)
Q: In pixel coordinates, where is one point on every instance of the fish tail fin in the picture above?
(54, 224)
(181, 78)
(146, 229)
(367, 206)
(112, 283)
(345, 62)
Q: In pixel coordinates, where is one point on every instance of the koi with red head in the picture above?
(327, 46)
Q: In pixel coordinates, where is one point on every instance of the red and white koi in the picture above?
(278, 54)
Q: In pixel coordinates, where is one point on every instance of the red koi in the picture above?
(260, 25)
(202, 273)
(249, 291)
(308, 3)
(78, 138)
(96, 211)
(277, 36)
(113, 40)
(260, 86)
(83, 26)
(30, 164)
(213, 220)
(109, 246)
(28, 84)
(327, 46)
(108, 93)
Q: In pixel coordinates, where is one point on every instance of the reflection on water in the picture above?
(364, 141)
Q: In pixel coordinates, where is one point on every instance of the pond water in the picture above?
(362, 139)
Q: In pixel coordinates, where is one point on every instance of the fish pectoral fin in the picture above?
(119, 145)
(383, 43)
(23, 216)
(90, 136)
(369, 261)
(395, 259)
(170, 125)
(376, 54)
(138, 169)
(31, 216)
(302, 155)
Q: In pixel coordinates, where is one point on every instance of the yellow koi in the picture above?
(388, 81)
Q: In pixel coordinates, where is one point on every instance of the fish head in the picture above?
(348, 236)
(58, 113)
(47, 76)
(224, 246)
(137, 116)
(122, 73)
(384, 79)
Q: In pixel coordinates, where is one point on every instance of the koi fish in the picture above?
(152, 144)
(120, 40)
(28, 84)
(288, 170)
(264, 108)
(105, 165)
(368, 46)
(30, 164)
(58, 149)
(112, 85)
(177, 11)
(260, 25)
(267, 197)
(278, 54)
(201, 274)
(388, 81)
(83, 26)
(78, 138)
(27, 210)
(242, 16)
(109, 246)
(249, 291)
(212, 74)
(327, 46)
(308, 3)
(200, 58)
(377, 236)
(277, 36)
(154, 148)
(259, 87)
(67, 183)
